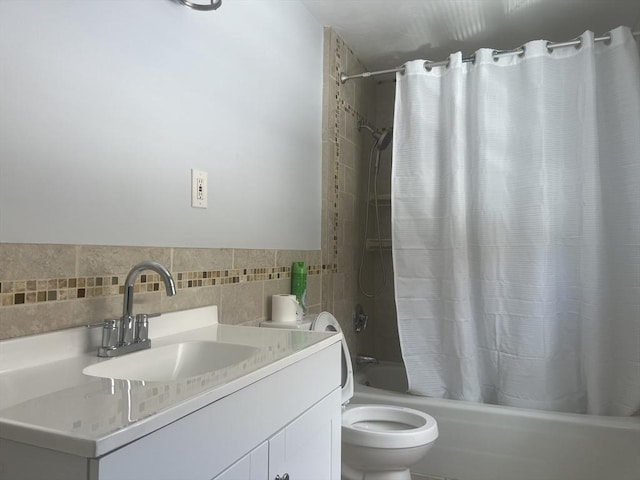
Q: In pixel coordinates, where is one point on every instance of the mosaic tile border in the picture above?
(29, 292)
(341, 106)
(336, 141)
(340, 100)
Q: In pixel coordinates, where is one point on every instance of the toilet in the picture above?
(379, 442)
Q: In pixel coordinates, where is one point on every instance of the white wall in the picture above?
(106, 105)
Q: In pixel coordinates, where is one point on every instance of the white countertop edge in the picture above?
(92, 448)
(43, 437)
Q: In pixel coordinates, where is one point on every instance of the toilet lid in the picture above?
(325, 322)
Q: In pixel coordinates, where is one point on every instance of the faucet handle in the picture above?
(109, 332)
(142, 326)
(102, 323)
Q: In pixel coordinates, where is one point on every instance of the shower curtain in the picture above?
(516, 227)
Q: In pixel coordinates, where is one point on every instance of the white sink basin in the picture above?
(172, 362)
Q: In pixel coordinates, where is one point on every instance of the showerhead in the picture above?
(382, 138)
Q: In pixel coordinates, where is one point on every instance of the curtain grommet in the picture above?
(607, 41)
(549, 49)
(579, 45)
(523, 51)
(426, 65)
(494, 55)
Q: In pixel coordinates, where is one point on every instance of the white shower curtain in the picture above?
(516, 227)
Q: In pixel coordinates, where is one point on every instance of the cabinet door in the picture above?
(253, 466)
(309, 447)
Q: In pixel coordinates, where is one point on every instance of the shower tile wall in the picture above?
(383, 308)
(343, 171)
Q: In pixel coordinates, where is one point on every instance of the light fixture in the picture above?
(212, 5)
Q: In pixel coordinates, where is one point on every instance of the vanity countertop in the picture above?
(46, 400)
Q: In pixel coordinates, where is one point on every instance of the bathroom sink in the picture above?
(172, 362)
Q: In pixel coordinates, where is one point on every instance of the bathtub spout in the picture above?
(366, 360)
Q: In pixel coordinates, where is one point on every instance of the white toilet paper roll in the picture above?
(284, 308)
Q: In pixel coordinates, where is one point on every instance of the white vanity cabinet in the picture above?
(253, 466)
(274, 413)
(296, 411)
(306, 449)
(288, 422)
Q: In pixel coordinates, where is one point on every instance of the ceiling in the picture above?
(386, 33)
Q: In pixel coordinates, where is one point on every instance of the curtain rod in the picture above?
(496, 54)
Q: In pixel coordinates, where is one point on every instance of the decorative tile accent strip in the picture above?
(336, 164)
(19, 292)
(342, 106)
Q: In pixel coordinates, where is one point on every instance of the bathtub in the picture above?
(488, 442)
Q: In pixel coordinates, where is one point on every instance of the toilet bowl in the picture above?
(383, 441)
(379, 442)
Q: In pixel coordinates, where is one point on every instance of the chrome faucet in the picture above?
(366, 360)
(132, 333)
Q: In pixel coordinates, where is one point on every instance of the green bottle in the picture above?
(299, 283)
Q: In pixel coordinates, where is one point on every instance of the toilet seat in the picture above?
(325, 322)
(387, 426)
(380, 426)
(378, 441)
